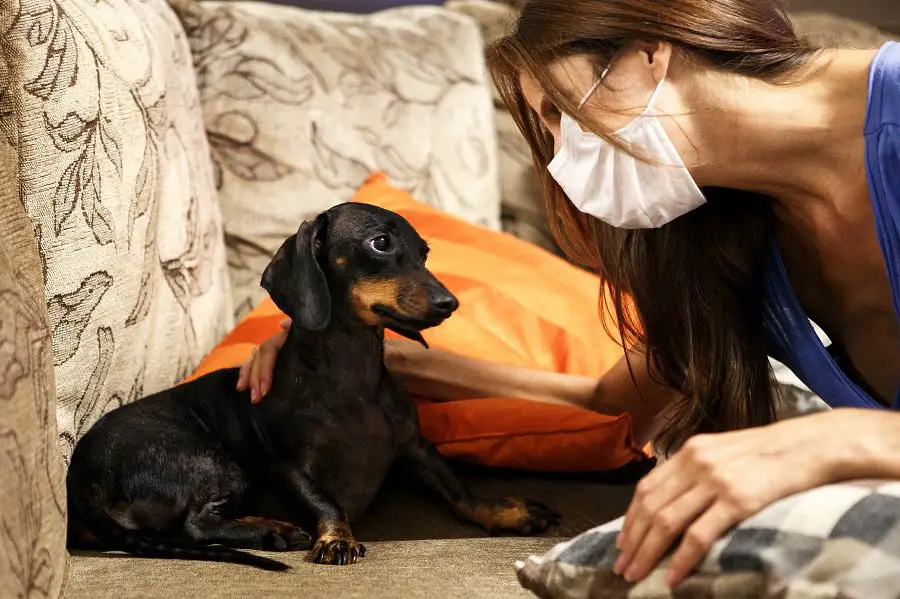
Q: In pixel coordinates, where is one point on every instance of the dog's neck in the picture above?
(348, 356)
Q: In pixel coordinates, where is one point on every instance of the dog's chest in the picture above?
(351, 455)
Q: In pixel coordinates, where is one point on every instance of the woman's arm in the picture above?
(444, 376)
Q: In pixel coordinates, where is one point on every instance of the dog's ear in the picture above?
(295, 281)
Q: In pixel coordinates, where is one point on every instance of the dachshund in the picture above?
(182, 473)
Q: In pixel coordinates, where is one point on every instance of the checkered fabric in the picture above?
(835, 542)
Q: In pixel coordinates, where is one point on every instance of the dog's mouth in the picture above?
(405, 326)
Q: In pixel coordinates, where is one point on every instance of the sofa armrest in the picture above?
(32, 490)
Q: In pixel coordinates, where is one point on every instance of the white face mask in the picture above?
(619, 189)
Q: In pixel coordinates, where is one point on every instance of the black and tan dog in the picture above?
(182, 473)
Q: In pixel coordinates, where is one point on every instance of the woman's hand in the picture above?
(718, 480)
(256, 371)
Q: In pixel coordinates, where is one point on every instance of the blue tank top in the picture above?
(792, 339)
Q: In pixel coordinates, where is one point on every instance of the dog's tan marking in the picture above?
(333, 534)
(275, 525)
(340, 261)
(369, 292)
(511, 514)
(412, 300)
(334, 530)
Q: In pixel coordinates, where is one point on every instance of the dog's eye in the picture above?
(381, 244)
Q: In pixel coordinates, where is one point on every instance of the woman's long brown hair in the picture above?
(689, 295)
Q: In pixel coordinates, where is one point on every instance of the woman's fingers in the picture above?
(249, 376)
(264, 359)
(665, 527)
(255, 397)
(266, 368)
(243, 381)
(697, 540)
(654, 492)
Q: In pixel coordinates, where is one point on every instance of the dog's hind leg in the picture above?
(514, 514)
(206, 526)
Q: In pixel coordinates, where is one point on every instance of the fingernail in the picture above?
(619, 565)
(630, 574)
(254, 396)
(265, 389)
(619, 540)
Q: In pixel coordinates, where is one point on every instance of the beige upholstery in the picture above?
(522, 205)
(884, 14)
(32, 495)
(823, 29)
(301, 106)
(458, 562)
(116, 177)
(453, 569)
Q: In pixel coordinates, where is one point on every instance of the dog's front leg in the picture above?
(516, 514)
(335, 543)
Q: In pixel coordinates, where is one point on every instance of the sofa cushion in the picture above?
(116, 177)
(355, 6)
(833, 542)
(395, 567)
(523, 211)
(828, 30)
(401, 512)
(301, 105)
(883, 14)
(448, 569)
(32, 493)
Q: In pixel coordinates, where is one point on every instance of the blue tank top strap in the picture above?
(792, 339)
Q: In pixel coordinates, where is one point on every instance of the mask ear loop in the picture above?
(594, 87)
(652, 100)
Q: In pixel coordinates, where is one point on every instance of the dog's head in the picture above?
(363, 261)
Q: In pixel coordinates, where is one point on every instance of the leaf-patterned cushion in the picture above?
(115, 174)
(301, 106)
(523, 211)
(356, 6)
(32, 493)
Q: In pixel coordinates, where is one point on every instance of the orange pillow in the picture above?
(518, 305)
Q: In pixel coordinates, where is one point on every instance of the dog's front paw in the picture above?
(515, 514)
(338, 551)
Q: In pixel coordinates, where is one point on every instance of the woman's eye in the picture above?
(381, 244)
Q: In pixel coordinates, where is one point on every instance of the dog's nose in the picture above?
(445, 302)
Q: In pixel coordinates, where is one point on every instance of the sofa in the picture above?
(143, 187)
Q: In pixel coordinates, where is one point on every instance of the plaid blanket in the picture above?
(835, 542)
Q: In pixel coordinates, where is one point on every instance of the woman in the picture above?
(727, 183)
